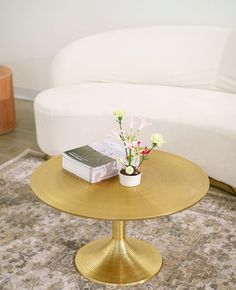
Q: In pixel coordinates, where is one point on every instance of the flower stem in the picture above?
(130, 156)
(122, 138)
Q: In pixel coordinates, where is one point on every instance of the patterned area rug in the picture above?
(38, 243)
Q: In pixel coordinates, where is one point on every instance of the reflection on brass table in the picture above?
(169, 184)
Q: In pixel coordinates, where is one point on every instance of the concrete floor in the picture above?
(23, 137)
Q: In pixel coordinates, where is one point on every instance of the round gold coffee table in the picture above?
(169, 184)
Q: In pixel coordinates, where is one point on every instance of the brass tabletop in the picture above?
(169, 184)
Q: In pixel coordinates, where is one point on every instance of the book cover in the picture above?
(89, 156)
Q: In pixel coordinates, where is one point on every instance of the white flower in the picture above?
(143, 124)
(129, 170)
(119, 160)
(128, 145)
(119, 114)
(157, 139)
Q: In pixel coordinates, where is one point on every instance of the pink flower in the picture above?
(143, 124)
(115, 133)
(145, 151)
(131, 124)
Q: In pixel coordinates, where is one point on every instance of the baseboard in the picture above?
(25, 94)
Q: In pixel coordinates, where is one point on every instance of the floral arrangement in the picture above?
(135, 152)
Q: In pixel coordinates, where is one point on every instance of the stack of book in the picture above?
(94, 162)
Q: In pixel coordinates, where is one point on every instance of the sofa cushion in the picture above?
(183, 105)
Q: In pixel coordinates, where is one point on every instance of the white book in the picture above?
(94, 162)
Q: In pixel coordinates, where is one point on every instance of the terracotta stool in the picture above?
(7, 106)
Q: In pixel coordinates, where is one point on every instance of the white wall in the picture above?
(32, 31)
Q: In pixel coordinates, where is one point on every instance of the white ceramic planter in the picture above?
(129, 180)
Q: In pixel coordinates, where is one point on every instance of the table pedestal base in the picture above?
(118, 260)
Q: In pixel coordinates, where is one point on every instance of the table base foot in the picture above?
(122, 262)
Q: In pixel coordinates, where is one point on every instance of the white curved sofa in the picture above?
(183, 79)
